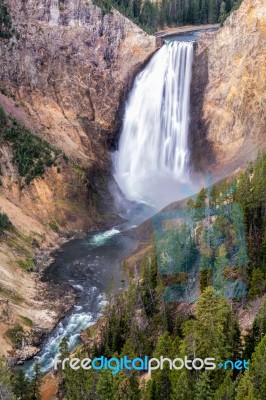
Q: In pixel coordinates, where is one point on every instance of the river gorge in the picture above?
(131, 123)
(158, 107)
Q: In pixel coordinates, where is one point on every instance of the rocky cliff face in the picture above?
(228, 92)
(65, 70)
(70, 66)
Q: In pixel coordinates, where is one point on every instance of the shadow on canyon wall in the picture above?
(202, 155)
(114, 139)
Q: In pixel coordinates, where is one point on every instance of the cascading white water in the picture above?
(151, 163)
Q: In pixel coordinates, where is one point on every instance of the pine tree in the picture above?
(195, 12)
(204, 12)
(257, 370)
(182, 385)
(203, 389)
(161, 378)
(226, 390)
(105, 388)
(149, 391)
(215, 327)
(245, 390)
(257, 285)
(128, 350)
(252, 385)
(257, 332)
(201, 198)
(5, 21)
(63, 382)
(136, 7)
(222, 12)
(35, 383)
(128, 389)
(212, 12)
(221, 262)
(63, 349)
(6, 385)
(21, 386)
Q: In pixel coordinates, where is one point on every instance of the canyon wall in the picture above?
(70, 66)
(65, 69)
(228, 90)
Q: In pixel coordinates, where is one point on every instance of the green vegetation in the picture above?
(258, 331)
(16, 335)
(17, 386)
(26, 389)
(27, 264)
(140, 322)
(32, 155)
(252, 385)
(14, 244)
(79, 171)
(105, 5)
(27, 321)
(6, 391)
(20, 245)
(53, 225)
(152, 16)
(251, 194)
(5, 21)
(243, 200)
(4, 223)
(213, 328)
(9, 295)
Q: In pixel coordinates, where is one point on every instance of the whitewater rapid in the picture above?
(87, 265)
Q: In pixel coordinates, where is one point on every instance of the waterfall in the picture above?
(151, 163)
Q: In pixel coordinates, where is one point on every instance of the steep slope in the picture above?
(65, 67)
(228, 92)
(70, 65)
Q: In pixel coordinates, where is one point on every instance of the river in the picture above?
(92, 267)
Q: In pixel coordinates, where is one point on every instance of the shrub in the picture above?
(31, 154)
(4, 221)
(28, 264)
(105, 5)
(27, 321)
(16, 335)
(3, 117)
(5, 21)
